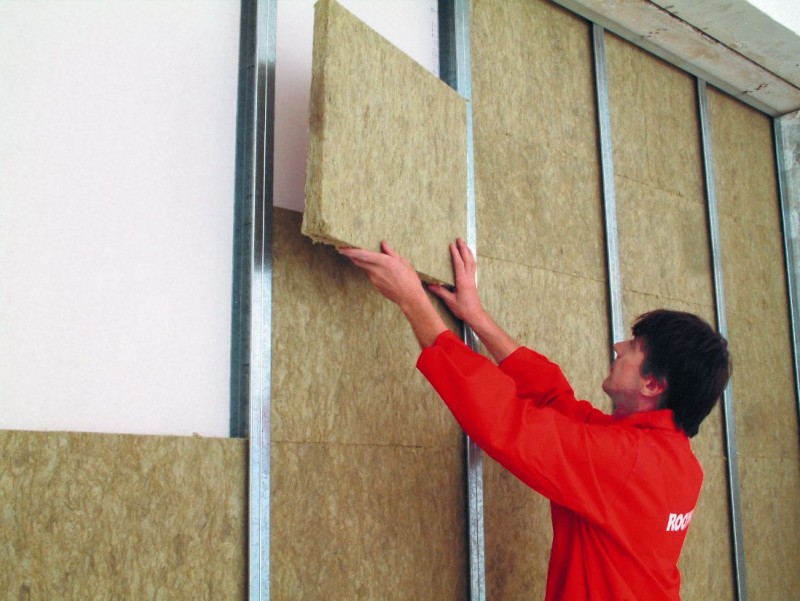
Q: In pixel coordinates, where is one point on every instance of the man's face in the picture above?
(625, 383)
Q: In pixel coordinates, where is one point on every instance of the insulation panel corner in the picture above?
(387, 153)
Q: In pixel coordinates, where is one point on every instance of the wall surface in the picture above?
(540, 237)
(367, 478)
(665, 257)
(368, 492)
(117, 149)
(765, 405)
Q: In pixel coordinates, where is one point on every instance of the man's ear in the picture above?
(653, 387)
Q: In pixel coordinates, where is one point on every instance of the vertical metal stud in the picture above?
(787, 156)
(252, 319)
(722, 325)
(609, 195)
(454, 52)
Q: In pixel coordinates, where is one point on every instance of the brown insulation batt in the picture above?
(540, 237)
(665, 260)
(116, 516)
(764, 398)
(387, 150)
(367, 485)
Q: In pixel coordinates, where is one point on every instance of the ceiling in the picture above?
(731, 44)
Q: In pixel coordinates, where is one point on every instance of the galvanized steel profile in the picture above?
(252, 319)
(787, 157)
(722, 326)
(456, 70)
(609, 194)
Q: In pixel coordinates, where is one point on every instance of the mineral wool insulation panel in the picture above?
(540, 237)
(764, 408)
(367, 485)
(116, 516)
(387, 148)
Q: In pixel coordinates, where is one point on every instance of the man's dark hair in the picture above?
(691, 357)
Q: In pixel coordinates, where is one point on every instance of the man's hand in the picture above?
(391, 274)
(463, 300)
(395, 278)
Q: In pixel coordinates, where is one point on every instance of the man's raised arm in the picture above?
(394, 277)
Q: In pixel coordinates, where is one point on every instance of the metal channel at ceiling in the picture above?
(455, 69)
(722, 325)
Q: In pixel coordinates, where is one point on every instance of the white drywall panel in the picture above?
(117, 150)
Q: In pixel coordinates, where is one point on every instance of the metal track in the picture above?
(609, 188)
(722, 325)
(252, 319)
(455, 69)
(787, 156)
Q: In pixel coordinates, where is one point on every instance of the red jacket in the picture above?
(622, 491)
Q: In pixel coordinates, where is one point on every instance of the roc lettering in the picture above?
(679, 521)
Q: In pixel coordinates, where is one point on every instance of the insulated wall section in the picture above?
(368, 491)
(540, 237)
(367, 475)
(765, 406)
(109, 516)
(665, 257)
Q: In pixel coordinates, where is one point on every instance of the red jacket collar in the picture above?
(661, 419)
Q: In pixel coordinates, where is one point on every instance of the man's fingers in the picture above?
(388, 250)
(368, 256)
(361, 255)
(442, 292)
(458, 262)
(360, 263)
(463, 262)
(466, 254)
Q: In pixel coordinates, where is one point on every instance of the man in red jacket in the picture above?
(623, 487)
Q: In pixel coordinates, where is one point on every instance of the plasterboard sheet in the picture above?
(387, 148)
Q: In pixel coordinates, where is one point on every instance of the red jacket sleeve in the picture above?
(526, 423)
(542, 382)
